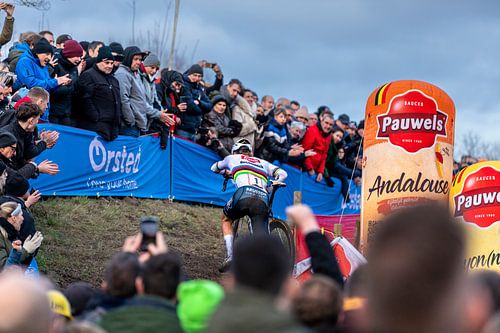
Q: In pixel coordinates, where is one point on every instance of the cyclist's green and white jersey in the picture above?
(249, 171)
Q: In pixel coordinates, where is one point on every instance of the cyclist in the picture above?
(251, 176)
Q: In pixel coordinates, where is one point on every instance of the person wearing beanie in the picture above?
(148, 73)
(61, 100)
(137, 113)
(32, 70)
(198, 300)
(99, 112)
(117, 51)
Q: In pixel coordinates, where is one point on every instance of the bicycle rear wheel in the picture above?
(280, 229)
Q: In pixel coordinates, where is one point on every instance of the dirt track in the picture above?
(81, 234)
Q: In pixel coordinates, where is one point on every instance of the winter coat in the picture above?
(28, 170)
(245, 310)
(135, 109)
(150, 90)
(26, 147)
(192, 117)
(197, 92)
(225, 133)
(243, 113)
(100, 104)
(7, 30)
(275, 145)
(316, 139)
(31, 74)
(140, 314)
(61, 100)
(15, 53)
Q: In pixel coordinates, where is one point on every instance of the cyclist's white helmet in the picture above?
(240, 144)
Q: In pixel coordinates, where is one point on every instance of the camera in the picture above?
(149, 228)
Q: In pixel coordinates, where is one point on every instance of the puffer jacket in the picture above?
(316, 139)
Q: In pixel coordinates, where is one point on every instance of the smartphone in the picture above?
(210, 64)
(149, 227)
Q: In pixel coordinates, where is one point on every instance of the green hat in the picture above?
(198, 300)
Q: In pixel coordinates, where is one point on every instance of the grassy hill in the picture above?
(81, 234)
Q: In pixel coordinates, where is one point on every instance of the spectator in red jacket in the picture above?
(318, 137)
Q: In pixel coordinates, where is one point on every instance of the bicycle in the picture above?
(277, 227)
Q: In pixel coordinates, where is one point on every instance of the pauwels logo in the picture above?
(412, 121)
(479, 201)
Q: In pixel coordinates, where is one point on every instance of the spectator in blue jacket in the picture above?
(276, 145)
(32, 70)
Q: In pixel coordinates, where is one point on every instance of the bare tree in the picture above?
(472, 144)
(37, 4)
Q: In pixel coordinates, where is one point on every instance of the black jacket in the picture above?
(61, 99)
(26, 147)
(99, 95)
(191, 118)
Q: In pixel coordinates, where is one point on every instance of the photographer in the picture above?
(208, 138)
(226, 128)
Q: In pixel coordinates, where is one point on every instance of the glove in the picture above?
(32, 243)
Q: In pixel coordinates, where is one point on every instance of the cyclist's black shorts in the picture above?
(250, 201)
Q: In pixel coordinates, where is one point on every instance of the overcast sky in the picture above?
(333, 52)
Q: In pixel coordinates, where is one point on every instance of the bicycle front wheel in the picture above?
(280, 229)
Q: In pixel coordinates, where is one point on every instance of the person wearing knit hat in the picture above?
(104, 54)
(16, 185)
(7, 139)
(68, 65)
(152, 60)
(198, 299)
(195, 69)
(100, 112)
(117, 51)
(302, 115)
(72, 49)
(32, 71)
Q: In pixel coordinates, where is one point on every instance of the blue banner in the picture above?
(193, 181)
(138, 167)
(91, 166)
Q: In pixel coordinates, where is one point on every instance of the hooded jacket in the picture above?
(191, 118)
(15, 53)
(31, 74)
(135, 108)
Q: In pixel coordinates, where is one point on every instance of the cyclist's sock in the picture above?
(229, 244)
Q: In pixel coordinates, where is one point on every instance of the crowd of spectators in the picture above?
(122, 90)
